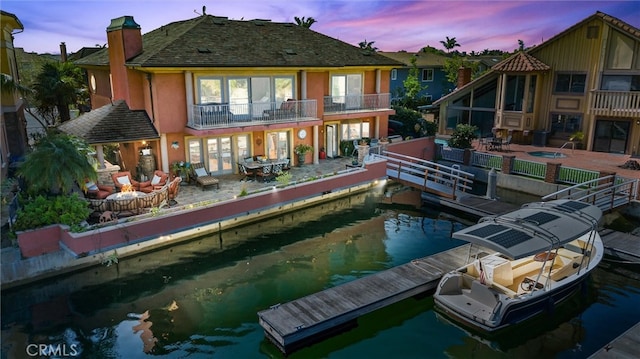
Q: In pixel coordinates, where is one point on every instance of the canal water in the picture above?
(200, 299)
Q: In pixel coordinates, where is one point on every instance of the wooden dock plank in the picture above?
(624, 346)
(623, 245)
(303, 318)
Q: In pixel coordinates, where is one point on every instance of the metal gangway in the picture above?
(606, 192)
(445, 181)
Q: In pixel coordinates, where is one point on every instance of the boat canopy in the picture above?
(534, 228)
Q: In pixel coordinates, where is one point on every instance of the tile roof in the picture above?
(110, 124)
(210, 41)
(520, 62)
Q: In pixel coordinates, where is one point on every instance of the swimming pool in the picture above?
(439, 141)
(547, 154)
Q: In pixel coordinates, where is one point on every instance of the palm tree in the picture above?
(304, 22)
(368, 46)
(57, 165)
(57, 86)
(450, 43)
(8, 85)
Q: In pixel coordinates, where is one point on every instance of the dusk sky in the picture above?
(392, 25)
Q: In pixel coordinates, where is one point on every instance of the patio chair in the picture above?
(203, 178)
(159, 179)
(277, 168)
(242, 170)
(505, 143)
(266, 172)
(122, 178)
(174, 188)
(97, 191)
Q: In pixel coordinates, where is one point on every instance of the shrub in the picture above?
(463, 136)
(43, 211)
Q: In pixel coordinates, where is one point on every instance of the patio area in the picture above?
(232, 185)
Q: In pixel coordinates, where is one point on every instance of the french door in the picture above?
(331, 132)
(219, 155)
(611, 136)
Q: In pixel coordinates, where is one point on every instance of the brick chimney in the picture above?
(464, 76)
(63, 52)
(125, 42)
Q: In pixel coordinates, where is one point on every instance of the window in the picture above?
(210, 90)
(514, 93)
(278, 145)
(570, 83)
(283, 88)
(427, 74)
(195, 151)
(620, 54)
(345, 88)
(245, 90)
(620, 82)
(563, 125)
(394, 74)
(355, 130)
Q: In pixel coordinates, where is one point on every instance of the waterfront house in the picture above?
(13, 129)
(431, 74)
(218, 90)
(585, 79)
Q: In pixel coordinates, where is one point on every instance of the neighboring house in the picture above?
(220, 90)
(587, 79)
(13, 131)
(431, 73)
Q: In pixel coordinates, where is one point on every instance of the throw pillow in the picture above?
(92, 186)
(201, 172)
(124, 180)
(156, 179)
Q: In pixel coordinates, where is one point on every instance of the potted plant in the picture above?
(301, 150)
(577, 137)
(181, 169)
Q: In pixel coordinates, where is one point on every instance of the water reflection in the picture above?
(201, 299)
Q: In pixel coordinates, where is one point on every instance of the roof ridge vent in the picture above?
(260, 22)
(220, 20)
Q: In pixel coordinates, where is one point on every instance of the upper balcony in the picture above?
(225, 115)
(356, 103)
(615, 103)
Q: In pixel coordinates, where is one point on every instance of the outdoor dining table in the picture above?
(253, 166)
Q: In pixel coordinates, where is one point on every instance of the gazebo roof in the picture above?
(112, 123)
(521, 62)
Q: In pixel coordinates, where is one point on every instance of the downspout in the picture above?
(153, 116)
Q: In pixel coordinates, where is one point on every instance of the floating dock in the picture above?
(304, 321)
(293, 325)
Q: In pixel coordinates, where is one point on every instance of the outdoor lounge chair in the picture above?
(203, 178)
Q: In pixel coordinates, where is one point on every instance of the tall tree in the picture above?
(450, 43)
(368, 46)
(412, 86)
(304, 22)
(57, 86)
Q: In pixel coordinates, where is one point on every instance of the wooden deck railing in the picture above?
(615, 103)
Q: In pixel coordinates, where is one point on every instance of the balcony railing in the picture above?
(357, 103)
(615, 103)
(223, 115)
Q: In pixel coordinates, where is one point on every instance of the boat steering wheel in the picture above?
(527, 286)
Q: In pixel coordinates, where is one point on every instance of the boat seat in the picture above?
(482, 294)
